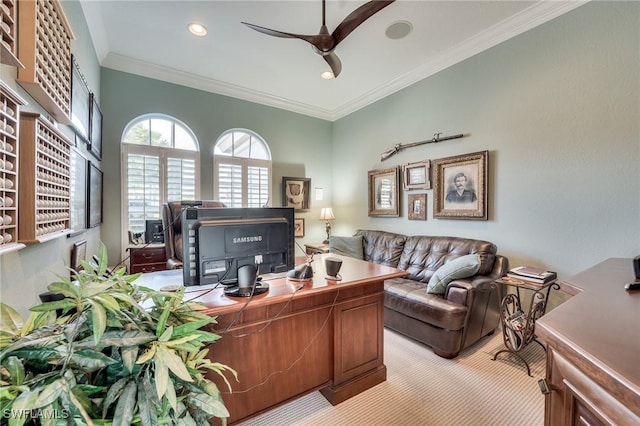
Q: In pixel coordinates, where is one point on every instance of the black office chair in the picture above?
(172, 226)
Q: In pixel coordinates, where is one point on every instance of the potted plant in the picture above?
(115, 354)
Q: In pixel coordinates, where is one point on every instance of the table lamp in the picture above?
(326, 214)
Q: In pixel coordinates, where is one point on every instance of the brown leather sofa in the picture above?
(172, 226)
(469, 308)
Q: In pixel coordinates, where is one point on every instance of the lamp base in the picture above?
(325, 242)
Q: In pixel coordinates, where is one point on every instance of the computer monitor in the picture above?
(218, 241)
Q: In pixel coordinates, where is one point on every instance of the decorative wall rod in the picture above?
(398, 147)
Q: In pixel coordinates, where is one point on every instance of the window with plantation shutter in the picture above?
(242, 169)
(161, 163)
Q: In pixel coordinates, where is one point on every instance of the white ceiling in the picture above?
(150, 38)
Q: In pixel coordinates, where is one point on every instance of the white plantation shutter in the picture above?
(257, 186)
(181, 179)
(242, 169)
(161, 163)
(143, 190)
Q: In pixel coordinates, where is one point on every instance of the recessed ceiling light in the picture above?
(327, 75)
(197, 29)
(399, 29)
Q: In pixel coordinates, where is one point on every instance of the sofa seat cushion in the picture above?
(411, 298)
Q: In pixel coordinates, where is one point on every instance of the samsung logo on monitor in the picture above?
(250, 239)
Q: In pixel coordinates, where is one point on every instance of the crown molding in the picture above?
(537, 14)
(170, 75)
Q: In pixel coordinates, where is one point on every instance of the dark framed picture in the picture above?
(94, 196)
(296, 193)
(460, 188)
(78, 253)
(80, 102)
(95, 139)
(416, 176)
(78, 191)
(384, 200)
(298, 227)
(417, 206)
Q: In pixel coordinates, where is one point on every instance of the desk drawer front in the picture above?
(148, 255)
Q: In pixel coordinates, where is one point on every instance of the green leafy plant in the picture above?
(113, 354)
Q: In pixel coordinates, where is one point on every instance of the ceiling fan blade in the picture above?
(357, 17)
(334, 62)
(314, 40)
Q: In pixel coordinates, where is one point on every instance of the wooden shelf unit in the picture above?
(10, 104)
(45, 163)
(8, 28)
(45, 50)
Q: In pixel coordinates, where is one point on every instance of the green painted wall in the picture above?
(558, 108)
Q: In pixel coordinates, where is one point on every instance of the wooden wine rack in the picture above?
(8, 44)
(10, 104)
(45, 162)
(45, 51)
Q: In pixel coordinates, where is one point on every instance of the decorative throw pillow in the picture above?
(462, 267)
(347, 246)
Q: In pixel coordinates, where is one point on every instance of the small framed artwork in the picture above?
(417, 207)
(298, 227)
(384, 200)
(460, 187)
(416, 175)
(80, 102)
(95, 135)
(78, 253)
(78, 192)
(94, 196)
(296, 193)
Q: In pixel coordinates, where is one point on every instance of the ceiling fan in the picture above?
(323, 42)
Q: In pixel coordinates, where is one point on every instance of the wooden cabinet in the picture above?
(10, 104)
(8, 36)
(147, 258)
(44, 202)
(593, 344)
(45, 51)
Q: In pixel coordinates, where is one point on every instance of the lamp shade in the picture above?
(327, 214)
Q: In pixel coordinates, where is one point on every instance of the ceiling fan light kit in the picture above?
(324, 43)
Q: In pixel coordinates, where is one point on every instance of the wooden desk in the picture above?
(298, 337)
(593, 354)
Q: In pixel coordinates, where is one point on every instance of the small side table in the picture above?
(314, 248)
(518, 327)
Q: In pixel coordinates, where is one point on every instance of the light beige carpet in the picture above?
(424, 389)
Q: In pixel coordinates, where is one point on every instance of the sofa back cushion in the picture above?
(384, 248)
(423, 255)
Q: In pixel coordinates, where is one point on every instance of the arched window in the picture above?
(242, 169)
(161, 163)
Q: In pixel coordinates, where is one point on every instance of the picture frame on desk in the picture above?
(94, 196)
(460, 186)
(78, 253)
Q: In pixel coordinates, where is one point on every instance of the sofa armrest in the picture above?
(457, 289)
